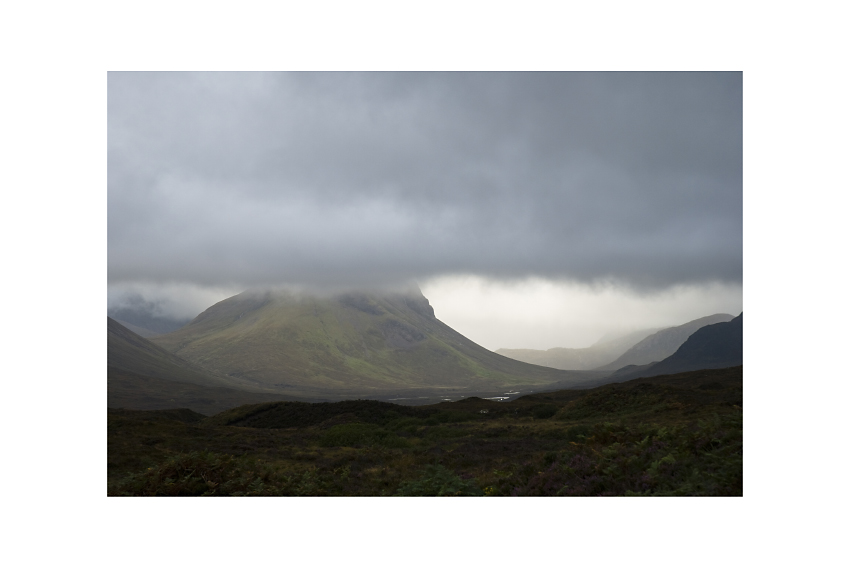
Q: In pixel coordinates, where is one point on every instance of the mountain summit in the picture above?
(360, 342)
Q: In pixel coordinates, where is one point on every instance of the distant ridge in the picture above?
(664, 343)
(579, 358)
(714, 346)
(139, 318)
(141, 331)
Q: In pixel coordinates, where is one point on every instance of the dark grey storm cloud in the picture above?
(362, 179)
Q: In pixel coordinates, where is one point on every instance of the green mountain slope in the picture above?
(355, 342)
(578, 358)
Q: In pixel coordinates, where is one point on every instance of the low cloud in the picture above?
(177, 302)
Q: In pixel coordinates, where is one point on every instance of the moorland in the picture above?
(667, 435)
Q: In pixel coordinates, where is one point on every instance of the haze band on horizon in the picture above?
(535, 210)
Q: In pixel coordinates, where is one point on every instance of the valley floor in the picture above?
(667, 435)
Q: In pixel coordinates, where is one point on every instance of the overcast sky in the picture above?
(618, 193)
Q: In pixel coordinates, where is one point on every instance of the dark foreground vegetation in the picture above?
(666, 435)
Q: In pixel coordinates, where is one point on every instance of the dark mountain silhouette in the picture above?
(714, 346)
(130, 352)
(662, 344)
(354, 342)
(144, 376)
(578, 358)
(629, 370)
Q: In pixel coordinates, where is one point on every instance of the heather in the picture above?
(674, 435)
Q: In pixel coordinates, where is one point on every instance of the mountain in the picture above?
(578, 358)
(141, 331)
(130, 352)
(714, 346)
(144, 324)
(143, 317)
(143, 376)
(349, 343)
(129, 390)
(662, 344)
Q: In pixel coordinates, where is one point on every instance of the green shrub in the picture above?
(351, 434)
(577, 433)
(445, 432)
(407, 424)
(437, 480)
(394, 442)
(361, 434)
(544, 411)
(200, 474)
(453, 416)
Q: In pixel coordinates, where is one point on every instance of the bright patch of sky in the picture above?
(542, 314)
